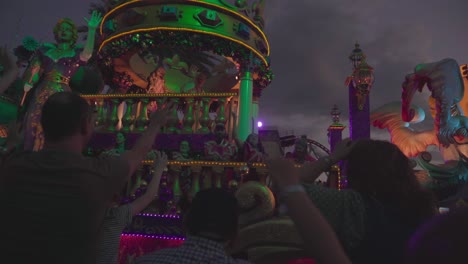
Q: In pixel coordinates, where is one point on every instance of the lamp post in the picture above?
(363, 79)
(356, 56)
(335, 130)
(359, 85)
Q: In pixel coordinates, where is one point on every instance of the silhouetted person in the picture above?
(54, 200)
(441, 240)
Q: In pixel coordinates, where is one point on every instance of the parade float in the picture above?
(447, 81)
(211, 59)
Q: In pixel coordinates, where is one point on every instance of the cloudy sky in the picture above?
(310, 40)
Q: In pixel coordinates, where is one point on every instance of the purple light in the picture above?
(154, 236)
(160, 215)
(259, 124)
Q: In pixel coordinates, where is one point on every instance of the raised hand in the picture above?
(282, 172)
(95, 20)
(160, 161)
(159, 117)
(342, 149)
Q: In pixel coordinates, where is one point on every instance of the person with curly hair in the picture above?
(382, 205)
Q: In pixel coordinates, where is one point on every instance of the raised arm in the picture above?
(93, 23)
(311, 171)
(31, 75)
(135, 155)
(319, 238)
(160, 163)
(10, 70)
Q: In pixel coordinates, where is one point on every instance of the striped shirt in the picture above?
(115, 220)
(195, 250)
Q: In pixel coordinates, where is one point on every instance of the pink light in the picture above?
(259, 124)
(153, 236)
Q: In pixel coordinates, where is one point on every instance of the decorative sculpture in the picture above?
(184, 152)
(156, 83)
(56, 64)
(444, 80)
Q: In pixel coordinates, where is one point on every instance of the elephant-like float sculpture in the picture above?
(446, 80)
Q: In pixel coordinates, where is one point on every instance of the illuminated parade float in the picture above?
(212, 60)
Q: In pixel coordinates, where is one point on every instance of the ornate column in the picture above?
(128, 118)
(359, 86)
(245, 102)
(142, 119)
(221, 117)
(114, 118)
(204, 120)
(335, 131)
(188, 117)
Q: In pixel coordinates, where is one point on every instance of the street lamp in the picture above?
(335, 113)
(363, 79)
(357, 56)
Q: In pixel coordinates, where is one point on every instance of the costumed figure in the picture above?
(301, 155)
(55, 64)
(444, 80)
(252, 150)
(184, 154)
(119, 147)
(220, 149)
(195, 86)
(156, 85)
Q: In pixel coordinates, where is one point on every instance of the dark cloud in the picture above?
(311, 41)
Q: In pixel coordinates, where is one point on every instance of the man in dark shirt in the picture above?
(54, 200)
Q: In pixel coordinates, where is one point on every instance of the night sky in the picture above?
(311, 41)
